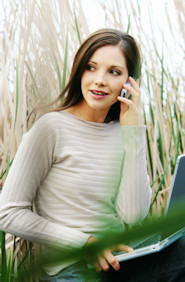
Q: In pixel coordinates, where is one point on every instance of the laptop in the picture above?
(157, 242)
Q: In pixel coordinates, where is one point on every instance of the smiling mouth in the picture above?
(100, 93)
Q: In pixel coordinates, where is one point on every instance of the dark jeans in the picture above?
(165, 266)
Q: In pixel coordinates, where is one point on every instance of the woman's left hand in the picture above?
(105, 259)
(130, 111)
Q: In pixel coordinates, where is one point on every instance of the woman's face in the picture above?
(103, 78)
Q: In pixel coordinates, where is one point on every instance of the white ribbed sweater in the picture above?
(71, 170)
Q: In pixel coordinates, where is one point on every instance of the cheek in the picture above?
(117, 89)
(85, 79)
(82, 80)
(119, 85)
(85, 83)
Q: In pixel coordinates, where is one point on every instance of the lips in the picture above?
(97, 95)
(97, 92)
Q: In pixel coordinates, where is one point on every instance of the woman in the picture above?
(83, 164)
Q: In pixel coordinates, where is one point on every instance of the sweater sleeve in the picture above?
(31, 164)
(134, 195)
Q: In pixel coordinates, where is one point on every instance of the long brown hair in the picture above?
(72, 94)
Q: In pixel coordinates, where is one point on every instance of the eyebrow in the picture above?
(113, 66)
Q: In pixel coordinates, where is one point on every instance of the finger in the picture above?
(134, 82)
(103, 263)
(125, 248)
(124, 105)
(123, 108)
(133, 87)
(125, 101)
(97, 266)
(135, 98)
(134, 90)
(112, 260)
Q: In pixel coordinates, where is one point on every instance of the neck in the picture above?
(87, 114)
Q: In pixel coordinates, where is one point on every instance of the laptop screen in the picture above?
(177, 192)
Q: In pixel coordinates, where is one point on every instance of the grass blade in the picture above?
(65, 65)
(3, 257)
(128, 26)
(77, 28)
(161, 182)
(17, 93)
(34, 82)
(160, 146)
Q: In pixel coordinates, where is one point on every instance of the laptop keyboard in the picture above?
(148, 241)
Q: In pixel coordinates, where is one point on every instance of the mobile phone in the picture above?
(125, 93)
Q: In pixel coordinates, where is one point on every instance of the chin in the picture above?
(99, 107)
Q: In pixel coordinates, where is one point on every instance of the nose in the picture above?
(100, 78)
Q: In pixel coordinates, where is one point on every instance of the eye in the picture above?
(115, 72)
(90, 67)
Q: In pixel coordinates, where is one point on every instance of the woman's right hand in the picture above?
(106, 258)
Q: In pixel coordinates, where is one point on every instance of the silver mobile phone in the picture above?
(125, 93)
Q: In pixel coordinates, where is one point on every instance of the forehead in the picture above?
(109, 54)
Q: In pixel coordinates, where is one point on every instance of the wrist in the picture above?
(91, 240)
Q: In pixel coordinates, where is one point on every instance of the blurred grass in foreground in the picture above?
(172, 223)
